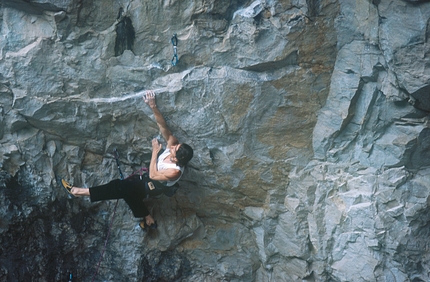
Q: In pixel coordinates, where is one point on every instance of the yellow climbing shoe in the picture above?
(67, 186)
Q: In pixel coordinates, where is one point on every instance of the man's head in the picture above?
(184, 153)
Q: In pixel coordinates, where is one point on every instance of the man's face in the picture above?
(173, 150)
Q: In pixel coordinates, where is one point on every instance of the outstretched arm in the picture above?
(171, 140)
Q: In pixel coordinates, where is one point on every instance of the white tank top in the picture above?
(162, 165)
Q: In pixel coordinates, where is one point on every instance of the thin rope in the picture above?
(116, 155)
(106, 241)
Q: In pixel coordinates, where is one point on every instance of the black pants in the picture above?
(133, 190)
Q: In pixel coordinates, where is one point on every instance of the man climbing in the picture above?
(164, 170)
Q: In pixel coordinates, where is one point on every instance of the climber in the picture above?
(166, 169)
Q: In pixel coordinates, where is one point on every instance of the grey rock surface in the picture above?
(309, 119)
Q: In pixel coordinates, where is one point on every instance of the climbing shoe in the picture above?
(145, 226)
(67, 186)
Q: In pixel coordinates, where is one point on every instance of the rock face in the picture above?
(310, 164)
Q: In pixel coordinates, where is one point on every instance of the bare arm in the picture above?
(171, 140)
(169, 174)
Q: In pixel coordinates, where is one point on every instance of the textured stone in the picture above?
(310, 164)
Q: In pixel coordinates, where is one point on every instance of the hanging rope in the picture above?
(174, 40)
(115, 152)
(107, 238)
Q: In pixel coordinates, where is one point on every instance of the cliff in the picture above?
(309, 122)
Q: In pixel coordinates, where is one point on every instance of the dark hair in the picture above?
(184, 154)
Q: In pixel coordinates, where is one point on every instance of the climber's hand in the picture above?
(156, 146)
(149, 98)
